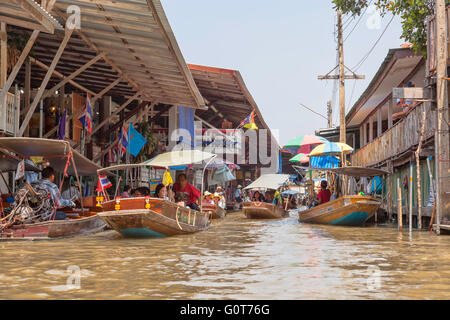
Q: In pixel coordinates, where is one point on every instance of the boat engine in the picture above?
(32, 204)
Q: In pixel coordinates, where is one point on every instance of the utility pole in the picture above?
(342, 126)
(341, 77)
(442, 134)
(330, 113)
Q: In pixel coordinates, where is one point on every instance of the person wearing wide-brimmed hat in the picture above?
(219, 200)
(207, 198)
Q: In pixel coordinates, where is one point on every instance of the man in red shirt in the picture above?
(324, 195)
(182, 186)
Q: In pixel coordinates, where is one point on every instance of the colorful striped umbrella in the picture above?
(301, 144)
(301, 157)
(305, 141)
(331, 148)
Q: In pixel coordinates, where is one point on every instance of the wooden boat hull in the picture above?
(443, 228)
(55, 229)
(345, 211)
(163, 219)
(216, 212)
(261, 210)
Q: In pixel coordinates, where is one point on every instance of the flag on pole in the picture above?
(86, 116)
(111, 157)
(20, 173)
(62, 126)
(103, 183)
(123, 141)
(249, 122)
(135, 141)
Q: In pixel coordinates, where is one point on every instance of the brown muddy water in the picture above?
(235, 259)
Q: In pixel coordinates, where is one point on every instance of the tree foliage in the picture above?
(413, 14)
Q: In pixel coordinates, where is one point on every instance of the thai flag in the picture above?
(86, 116)
(104, 182)
(112, 156)
(123, 141)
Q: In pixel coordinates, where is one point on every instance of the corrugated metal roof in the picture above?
(28, 14)
(136, 37)
(397, 65)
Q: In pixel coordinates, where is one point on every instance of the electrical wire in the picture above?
(359, 20)
(366, 56)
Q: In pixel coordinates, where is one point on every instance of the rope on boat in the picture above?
(69, 156)
(178, 223)
(189, 217)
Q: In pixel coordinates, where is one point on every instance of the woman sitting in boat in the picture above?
(221, 192)
(161, 192)
(258, 197)
(269, 196)
(324, 195)
(126, 192)
(218, 200)
(182, 186)
(207, 198)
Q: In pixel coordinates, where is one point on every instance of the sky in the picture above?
(280, 47)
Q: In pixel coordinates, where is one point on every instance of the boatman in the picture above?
(48, 183)
(324, 195)
(182, 186)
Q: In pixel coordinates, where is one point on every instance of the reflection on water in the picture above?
(236, 259)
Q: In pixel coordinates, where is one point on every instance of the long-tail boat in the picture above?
(152, 217)
(349, 210)
(216, 212)
(263, 210)
(82, 220)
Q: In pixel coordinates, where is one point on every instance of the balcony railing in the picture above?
(9, 119)
(399, 139)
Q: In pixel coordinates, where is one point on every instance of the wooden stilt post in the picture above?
(419, 184)
(399, 206)
(411, 185)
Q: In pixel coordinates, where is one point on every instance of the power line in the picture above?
(314, 111)
(359, 20)
(361, 62)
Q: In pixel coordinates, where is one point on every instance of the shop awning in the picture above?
(269, 181)
(168, 160)
(53, 151)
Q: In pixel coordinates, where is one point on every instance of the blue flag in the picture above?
(135, 141)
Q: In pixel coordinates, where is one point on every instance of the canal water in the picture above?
(236, 259)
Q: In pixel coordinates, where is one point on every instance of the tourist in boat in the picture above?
(126, 192)
(208, 198)
(269, 197)
(182, 186)
(324, 195)
(219, 200)
(221, 191)
(48, 183)
(136, 193)
(258, 197)
(161, 192)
